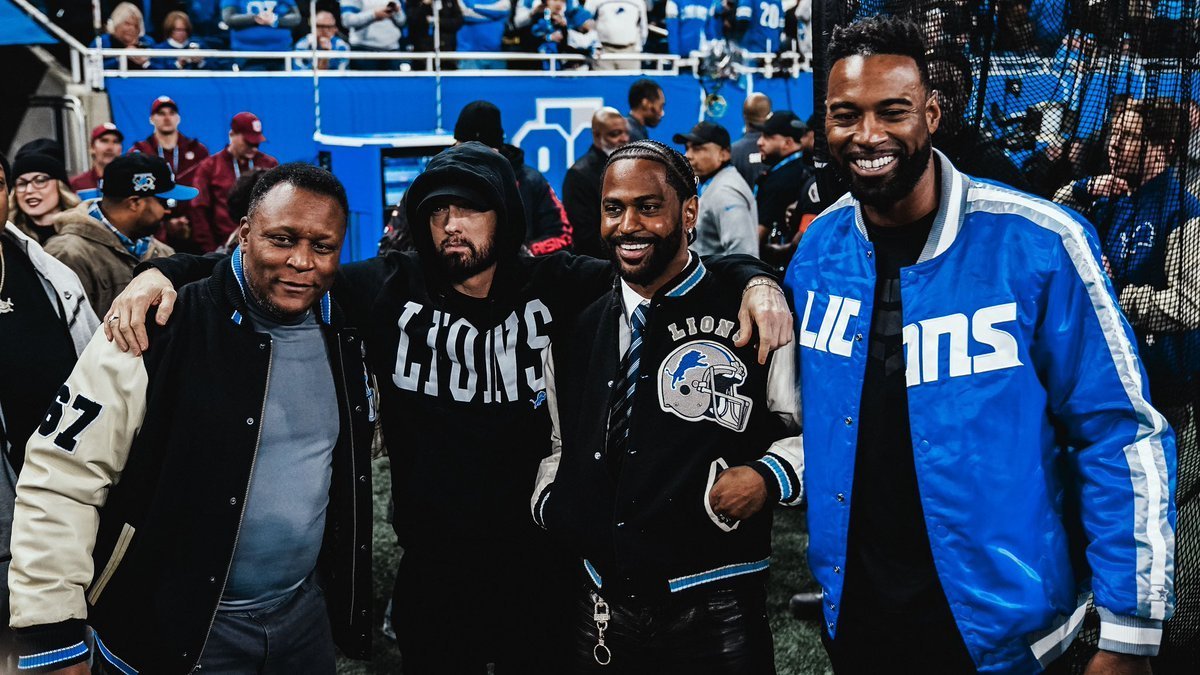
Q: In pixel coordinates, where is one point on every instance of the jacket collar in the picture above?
(324, 307)
(952, 201)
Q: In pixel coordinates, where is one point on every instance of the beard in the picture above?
(462, 266)
(883, 192)
(662, 251)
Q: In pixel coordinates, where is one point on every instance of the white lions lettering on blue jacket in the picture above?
(923, 339)
(509, 355)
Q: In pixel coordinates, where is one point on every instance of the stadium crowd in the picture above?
(514, 369)
(589, 29)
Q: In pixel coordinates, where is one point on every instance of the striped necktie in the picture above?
(622, 405)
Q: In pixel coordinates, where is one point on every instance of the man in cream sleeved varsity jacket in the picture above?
(669, 446)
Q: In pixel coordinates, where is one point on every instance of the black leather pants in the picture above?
(698, 632)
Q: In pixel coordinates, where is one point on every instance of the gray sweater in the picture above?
(728, 221)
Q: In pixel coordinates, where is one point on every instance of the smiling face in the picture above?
(290, 247)
(37, 194)
(127, 31)
(880, 123)
(643, 223)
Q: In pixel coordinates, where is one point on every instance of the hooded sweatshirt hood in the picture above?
(475, 172)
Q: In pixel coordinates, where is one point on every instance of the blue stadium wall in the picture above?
(548, 117)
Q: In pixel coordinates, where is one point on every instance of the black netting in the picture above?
(1095, 104)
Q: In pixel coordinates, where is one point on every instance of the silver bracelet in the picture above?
(762, 281)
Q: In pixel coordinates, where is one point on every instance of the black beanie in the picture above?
(39, 163)
(480, 121)
(43, 146)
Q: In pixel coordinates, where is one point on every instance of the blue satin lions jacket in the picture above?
(1026, 399)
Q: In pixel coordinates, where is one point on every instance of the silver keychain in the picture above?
(600, 614)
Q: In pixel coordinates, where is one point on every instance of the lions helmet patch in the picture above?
(699, 381)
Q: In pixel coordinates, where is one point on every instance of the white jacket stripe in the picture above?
(1145, 455)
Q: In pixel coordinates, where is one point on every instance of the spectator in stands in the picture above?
(106, 146)
(728, 218)
(102, 240)
(581, 185)
(375, 26)
(622, 27)
(239, 205)
(646, 102)
(561, 20)
(126, 29)
(744, 154)
(181, 153)
(546, 226)
(256, 26)
(685, 22)
(753, 25)
(1150, 226)
(328, 39)
(950, 74)
(482, 31)
(787, 185)
(1193, 148)
(177, 35)
(39, 189)
(215, 176)
(45, 322)
(808, 144)
(420, 28)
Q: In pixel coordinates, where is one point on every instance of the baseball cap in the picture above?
(704, 132)
(479, 121)
(140, 175)
(785, 123)
(163, 101)
(107, 128)
(249, 126)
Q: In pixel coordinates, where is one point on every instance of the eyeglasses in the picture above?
(327, 26)
(38, 183)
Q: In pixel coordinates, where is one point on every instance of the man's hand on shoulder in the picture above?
(1112, 663)
(125, 321)
(764, 311)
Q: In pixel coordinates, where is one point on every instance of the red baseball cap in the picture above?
(249, 126)
(107, 128)
(162, 101)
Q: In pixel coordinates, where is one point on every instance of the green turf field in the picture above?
(798, 648)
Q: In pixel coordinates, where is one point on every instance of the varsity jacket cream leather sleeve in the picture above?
(76, 454)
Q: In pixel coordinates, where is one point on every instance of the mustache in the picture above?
(456, 242)
(631, 239)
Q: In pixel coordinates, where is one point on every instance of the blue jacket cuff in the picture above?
(1129, 634)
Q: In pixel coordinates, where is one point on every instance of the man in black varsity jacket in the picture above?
(455, 331)
(670, 442)
(209, 504)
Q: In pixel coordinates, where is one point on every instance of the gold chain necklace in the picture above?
(6, 306)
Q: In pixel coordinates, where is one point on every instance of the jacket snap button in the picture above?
(362, 479)
(837, 569)
(358, 408)
(363, 547)
(610, 384)
(841, 497)
(832, 607)
(212, 580)
(349, 338)
(597, 455)
(67, 294)
(849, 421)
(858, 337)
(262, 345)
(233, 501)
(621, 524)
(250, 421)
(830, 624)
(868, 254)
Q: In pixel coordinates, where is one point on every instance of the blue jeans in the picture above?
(291, 636)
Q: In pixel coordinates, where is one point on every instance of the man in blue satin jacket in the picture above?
(981, 454)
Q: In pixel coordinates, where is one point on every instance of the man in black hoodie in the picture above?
(455, 332)
(546, 227)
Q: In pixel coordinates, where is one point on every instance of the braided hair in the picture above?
(679, 171)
